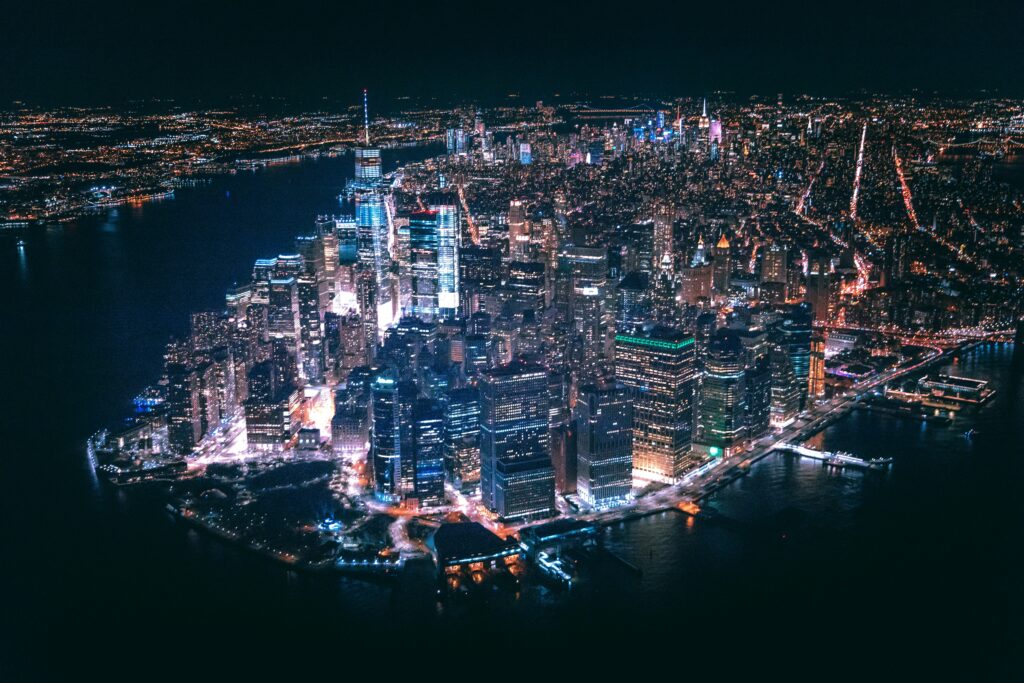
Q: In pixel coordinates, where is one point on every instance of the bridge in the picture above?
(837, 459)
(988, 145)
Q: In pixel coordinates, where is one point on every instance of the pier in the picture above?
(837, 459)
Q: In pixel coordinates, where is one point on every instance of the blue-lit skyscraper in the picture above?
(373, 251)
(434, 261)
(793, 335)
(517, 480)
(386, 438)
(423, 257)
(368, 166)
(428, 452)
(448, 239)
(462, 437)
(406, 443)
(605, 441)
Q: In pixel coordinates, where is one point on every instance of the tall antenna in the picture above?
(366, 118)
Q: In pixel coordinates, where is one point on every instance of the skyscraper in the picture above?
(793, 335)
(311, 351)
(518, 231)
(373, 252)
(722, 415)
(423, 262)
(822, 287)
(368, 169)
(434, 262)
(428, 452)
(758, 380)
(722, 266)
(448, 242)
(283, 312)
(526, 285)
(657, 366)
(637, 240)
(695, 283)
(366, 296)
(517, 480)
(664, 214)
(816, 370)
(184, 422)
(393, 464)
(605, 444)
(272, 418)
(462, 437)
(632, 305)
(774, 262)
(785, 391)
(587, 302)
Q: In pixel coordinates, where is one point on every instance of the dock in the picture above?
(836, 459)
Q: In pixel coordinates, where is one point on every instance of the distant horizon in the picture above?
(388, 103)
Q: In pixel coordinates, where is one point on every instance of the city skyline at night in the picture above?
(417, 335)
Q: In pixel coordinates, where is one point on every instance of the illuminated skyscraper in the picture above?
(632, 301)
(368, 166)
(722, 266)
(774, 263)
(793, 335)
(448, 243)
(587, 304)
(822, 287)
(366, 296)
(517, 480)
(283, 312)
(393, 464)
(423, 263)
(367, 159)
(272, 417)
(664, 214)
(785, 391)
(526, 285)
(657, 366)
(428, 452)
(462, 437)
(664, 305)
(456, 141)
(722, 415)
(373, 251)
(816, 371)
(311, 248)
(311, 351)
(758, 379)
(525, 153)
(637, 240)
(605, 445)
(518, 231)
(479, 278)
(184, 420)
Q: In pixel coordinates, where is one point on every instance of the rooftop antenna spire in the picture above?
(704, 113)
(366, 119)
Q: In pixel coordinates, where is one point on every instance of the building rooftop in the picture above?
(460, 542)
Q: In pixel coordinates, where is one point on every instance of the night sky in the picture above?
(95, 52)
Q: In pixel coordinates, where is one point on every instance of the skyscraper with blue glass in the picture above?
(517, 480)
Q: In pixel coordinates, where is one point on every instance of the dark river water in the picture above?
(921, 562)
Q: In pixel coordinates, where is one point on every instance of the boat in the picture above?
(970, 433)
(21, 243)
